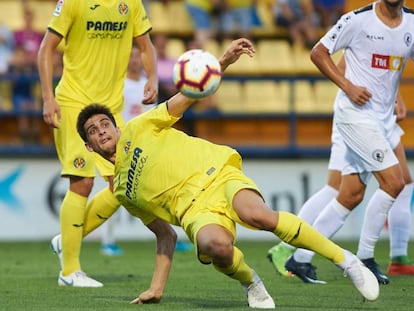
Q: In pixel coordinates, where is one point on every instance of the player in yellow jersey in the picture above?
(201, 187)
(97, 37)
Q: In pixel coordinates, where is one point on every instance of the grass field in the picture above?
(28, 281)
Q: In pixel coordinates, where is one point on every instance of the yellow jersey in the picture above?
(98, 36)
(159, 170)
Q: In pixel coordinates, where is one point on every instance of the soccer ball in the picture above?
(197, 73)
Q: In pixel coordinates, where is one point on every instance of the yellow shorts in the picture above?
(214, 206)
(75, 159)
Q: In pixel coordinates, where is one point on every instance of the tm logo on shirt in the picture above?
(386, 62)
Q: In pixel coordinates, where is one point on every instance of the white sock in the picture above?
(316, 203)
(329, 221)
(314, 206)
(399, 222)
(374, 220)
(303, 255)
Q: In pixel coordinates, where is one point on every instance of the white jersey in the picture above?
(375, 56)
(133, 96)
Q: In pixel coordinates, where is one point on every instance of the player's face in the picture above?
(102, 135)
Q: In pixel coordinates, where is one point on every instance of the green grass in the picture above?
(28, 281)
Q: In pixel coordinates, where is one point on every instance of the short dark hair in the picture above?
(88, 112)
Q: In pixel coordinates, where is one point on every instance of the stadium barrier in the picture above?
(32, 191)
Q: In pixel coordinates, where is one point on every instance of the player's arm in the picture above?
(236, 48)
(51, 110)
(166, 239)
(149, 61)
(179, 103)
(322, 59)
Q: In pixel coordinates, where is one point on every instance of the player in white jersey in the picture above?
(399, 218)
(377, 42)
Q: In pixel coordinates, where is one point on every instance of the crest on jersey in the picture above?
(58, 8)
(79, 163)
(123, 8)
(127, 146)
(408, 39)
(378, 155)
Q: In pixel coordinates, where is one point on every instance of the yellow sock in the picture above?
(72, 214)
(238, 270)
(297, 232)
(99, 209)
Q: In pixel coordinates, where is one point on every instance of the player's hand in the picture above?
(237, 48)
(150, 92)
(146, 297)
(51, 113)
(358, 94)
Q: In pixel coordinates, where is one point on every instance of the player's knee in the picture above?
(358, 197)
(350, 199)
(220, 250)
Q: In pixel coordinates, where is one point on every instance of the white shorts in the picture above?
(367, 151)
(338, 150)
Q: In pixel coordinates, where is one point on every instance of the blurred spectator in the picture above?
(134, 87)
(328, 11)
(165, 64)
(6, 47)
(204, 16)
(28, 37)
(236, 18)
(23, 74)
(297, 16)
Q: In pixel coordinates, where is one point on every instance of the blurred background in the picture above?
(275, 109)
